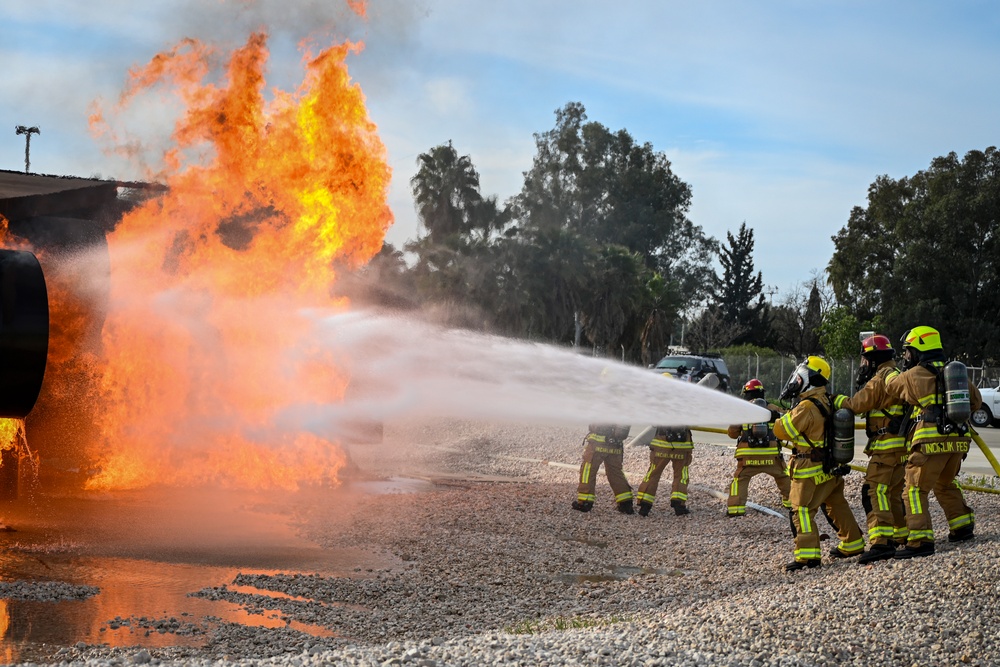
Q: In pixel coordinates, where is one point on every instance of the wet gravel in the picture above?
(45, 591)
(490, 572)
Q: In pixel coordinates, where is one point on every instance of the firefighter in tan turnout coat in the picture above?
(936, 444)
(673, 445)
(604, 446)
(805, 427)
(757, 452)
(882, 492)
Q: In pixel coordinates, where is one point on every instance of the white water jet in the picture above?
(404, 367)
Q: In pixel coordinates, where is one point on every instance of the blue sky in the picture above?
(777, 113)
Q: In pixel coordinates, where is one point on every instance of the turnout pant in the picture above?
(736, 505)
(659, 457)
(611, 456)
(934, 472)
(884, 483)
(807, 496)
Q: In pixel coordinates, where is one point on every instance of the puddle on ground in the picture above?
(135, 558)
(618, 573)
(139, 603)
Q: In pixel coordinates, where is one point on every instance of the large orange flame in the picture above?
(204, 345)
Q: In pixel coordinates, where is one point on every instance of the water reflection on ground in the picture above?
(145, 553)
(139, 603)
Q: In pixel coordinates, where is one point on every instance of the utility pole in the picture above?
(27, 132)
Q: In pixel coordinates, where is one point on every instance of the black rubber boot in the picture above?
(644, 507)
(583, 505)
(803, 564)
(625, 507)
(679, 508)
(877, 552)
(837, 553)
(924, 549)
(962, 534)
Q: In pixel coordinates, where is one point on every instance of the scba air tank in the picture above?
(956, 392)
(843, 436)
(759, 433)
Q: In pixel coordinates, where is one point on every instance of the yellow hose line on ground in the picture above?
(981, 489)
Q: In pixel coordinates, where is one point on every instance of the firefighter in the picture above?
(757, 452)
(754, 390)
(604, 445)
(674, 445)
(936, 444)
(805, 427)
(882, 492)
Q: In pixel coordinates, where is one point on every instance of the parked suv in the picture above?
(693, 367)
(989, 413)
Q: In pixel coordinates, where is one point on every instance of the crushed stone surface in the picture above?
(492, 566)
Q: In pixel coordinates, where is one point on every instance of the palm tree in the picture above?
(615, 298)
(446, 193)
(661, 303)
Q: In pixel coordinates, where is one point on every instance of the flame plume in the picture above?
(203, 342)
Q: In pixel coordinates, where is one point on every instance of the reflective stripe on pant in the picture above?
(740, 486)
(885, 479)
(658, 459)
(594, 455)
(806, 497)
(934, 472)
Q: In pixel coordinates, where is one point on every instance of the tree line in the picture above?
(597, 251)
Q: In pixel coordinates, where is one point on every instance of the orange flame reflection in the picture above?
(202, 344)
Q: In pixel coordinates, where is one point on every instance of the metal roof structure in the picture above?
(33, 195)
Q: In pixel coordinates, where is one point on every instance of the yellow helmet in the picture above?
(819, 365)
(813, 372)
(923, 339)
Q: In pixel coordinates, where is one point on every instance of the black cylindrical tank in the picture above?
(843, 436)
(956, 392)
(24, 332)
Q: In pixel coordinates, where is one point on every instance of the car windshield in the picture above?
(673, 363)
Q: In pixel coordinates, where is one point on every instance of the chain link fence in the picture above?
(774, 372)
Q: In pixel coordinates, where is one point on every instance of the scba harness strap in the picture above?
(825, 455)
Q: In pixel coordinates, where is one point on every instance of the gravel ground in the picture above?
(492, 566)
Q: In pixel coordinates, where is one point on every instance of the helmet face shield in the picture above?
(796, 382)
(813, 372)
